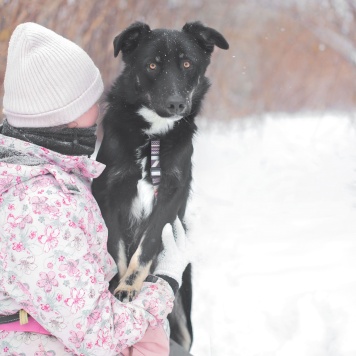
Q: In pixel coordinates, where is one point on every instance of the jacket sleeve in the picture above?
(56, 268)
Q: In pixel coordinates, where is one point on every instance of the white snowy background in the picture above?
(274, 212)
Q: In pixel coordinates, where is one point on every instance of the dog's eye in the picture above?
(186, 64)
(152, 66)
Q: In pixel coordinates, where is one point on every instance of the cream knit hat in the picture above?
(49, 80)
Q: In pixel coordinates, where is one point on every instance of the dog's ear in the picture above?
(207, 37)
(128, 40)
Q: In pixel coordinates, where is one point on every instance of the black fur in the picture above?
(164, 72)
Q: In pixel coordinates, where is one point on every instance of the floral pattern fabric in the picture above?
(54, 262)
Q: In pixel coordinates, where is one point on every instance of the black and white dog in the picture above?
(156, 97)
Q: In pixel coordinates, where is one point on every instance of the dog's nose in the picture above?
(176, 105)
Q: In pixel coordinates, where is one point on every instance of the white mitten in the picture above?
(175, 255)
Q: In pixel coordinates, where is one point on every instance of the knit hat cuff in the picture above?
(62, 115)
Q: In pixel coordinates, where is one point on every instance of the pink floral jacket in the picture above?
(54, 262)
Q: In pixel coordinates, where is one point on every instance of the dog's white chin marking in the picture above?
(159, 125)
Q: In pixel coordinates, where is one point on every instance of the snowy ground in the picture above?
(275, 234)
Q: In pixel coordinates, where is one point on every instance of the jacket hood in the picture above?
(21, 161)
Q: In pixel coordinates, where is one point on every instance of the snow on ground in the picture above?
(274, 212)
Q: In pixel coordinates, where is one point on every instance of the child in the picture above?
(54, 265)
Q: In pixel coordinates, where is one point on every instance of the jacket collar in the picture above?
(17, 153)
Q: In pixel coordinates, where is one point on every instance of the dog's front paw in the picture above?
(131, 283)
(125, 293)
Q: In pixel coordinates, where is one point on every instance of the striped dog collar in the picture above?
(155, 164)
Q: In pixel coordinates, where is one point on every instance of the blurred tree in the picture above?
(285, 55)
(337, 28)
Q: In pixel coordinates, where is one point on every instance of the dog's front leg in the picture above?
(141, 261)
(165, 211)
(131, 282)
(113, 191)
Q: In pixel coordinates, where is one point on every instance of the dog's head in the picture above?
(164, 69)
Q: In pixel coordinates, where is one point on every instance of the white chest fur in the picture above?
(142, 204)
